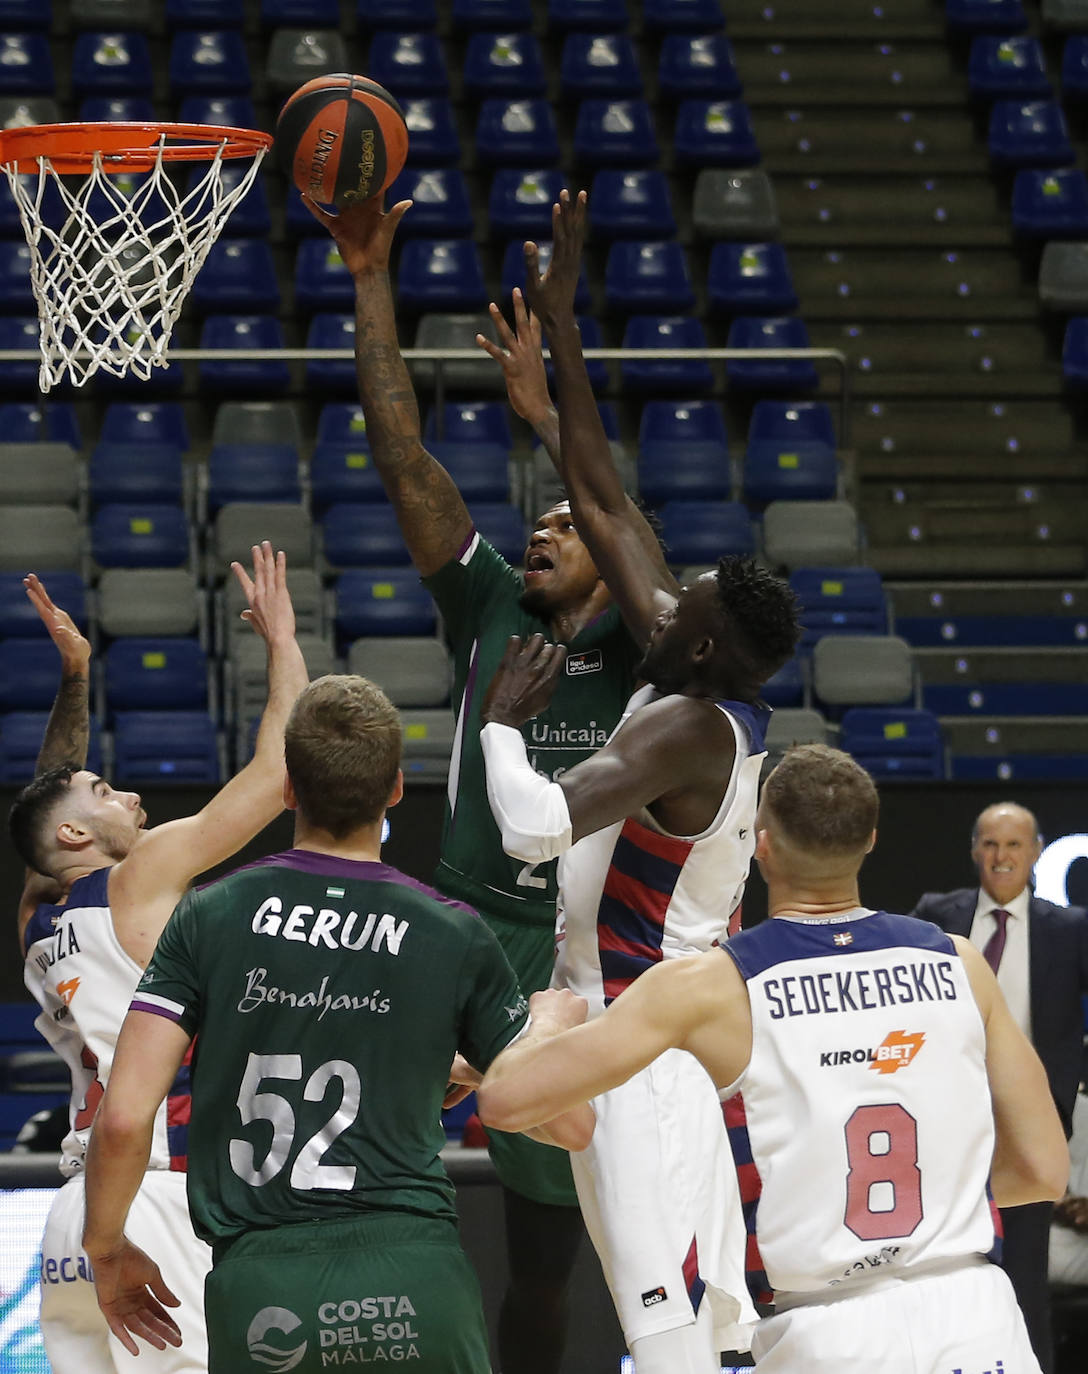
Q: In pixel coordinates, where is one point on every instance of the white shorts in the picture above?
(658, 1191)
(77, 1338)
(965, 1319)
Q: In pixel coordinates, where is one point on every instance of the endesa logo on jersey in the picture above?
(896, 1051)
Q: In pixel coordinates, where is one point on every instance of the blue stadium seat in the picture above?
(789, 686)
(145, 422)
(893, 743)
(382, 601)
(493, 15)
(968, 17)
(597, 368)
(165, 746)
(155, 674)
(331, 330)
(471, 422)
(343, 471)
(513, 272)
(237, 274)
(20, 16)
(131, 534)
(29, 674)
(615, 133)
(631, 204)
(247, 376)
(714, 133)
(1004, 68)
(440, 274)
(1051, 203)
(699, 67)
(231, 111)
(503, 64)
(135, 472)
(300, 14)
(503, 526)
(1029, 133)
(1006, 698)
(705, 530)
(208, 62)
(52, 210)
(103, 109)
(681, 376)
(252, 472)
(480, 472)
(683, 451)
(250, 218)
(594, 16)
(26, 64)
(341, 420)
(839, 601)
(440, 202)
(790, 455)
(19, 331)
(18, 617)
(408, 63)
(676, 16)
(322, 281)
(1075, 68)
(644, 277)
(205, 14)
(770, 374)
(28, 422)
(516, 133)
(433, 139)
(360, 534)
(1075, 353)
(599, 64)
(1019, 767)
(396, 14)
(520, 203)
(16, 292)
(21, 735)
(750, 279)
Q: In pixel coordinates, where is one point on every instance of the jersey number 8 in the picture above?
(882, 1151)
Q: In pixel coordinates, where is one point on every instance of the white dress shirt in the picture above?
(1014, 971)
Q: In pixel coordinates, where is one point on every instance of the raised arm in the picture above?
(68, 729)
(519, 354)
(166, 859)
(431, 514)
(1031, 1160)
(641, 586)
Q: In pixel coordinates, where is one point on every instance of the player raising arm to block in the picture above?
(891, 1043)
(101, 888)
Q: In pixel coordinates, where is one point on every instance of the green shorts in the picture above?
(375, 1291)
(539, 1172)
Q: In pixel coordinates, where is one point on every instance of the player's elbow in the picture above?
(501, 1107)
(574, 1129)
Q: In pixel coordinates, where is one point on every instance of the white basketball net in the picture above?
(110, 277)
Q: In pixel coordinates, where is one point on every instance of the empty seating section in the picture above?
(901, 183)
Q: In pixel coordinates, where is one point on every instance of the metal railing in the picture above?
(440, 356)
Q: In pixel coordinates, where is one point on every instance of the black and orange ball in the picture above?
(341, 139)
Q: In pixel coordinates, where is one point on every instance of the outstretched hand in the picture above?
(551, 295)
(518, 353)
(363, 232)
(131, 1293)
(75, 652)
(270, 611)
(463, 1080)
(524, 681)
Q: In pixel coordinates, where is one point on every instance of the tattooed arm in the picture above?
(431, 514)
(68, 728)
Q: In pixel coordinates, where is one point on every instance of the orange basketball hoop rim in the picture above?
(126, 146)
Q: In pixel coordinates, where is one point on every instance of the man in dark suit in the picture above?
(1040, 954)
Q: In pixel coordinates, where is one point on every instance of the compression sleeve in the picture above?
(530, 811)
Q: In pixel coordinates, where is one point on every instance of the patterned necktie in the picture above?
(995, 945)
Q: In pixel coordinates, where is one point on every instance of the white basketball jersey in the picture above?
(631, 894)
(866, 1044)
(78, 973)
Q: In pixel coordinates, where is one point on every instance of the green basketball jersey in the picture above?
(328, 997)
(478, 596)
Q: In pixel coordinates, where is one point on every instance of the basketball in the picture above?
(341, 139)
